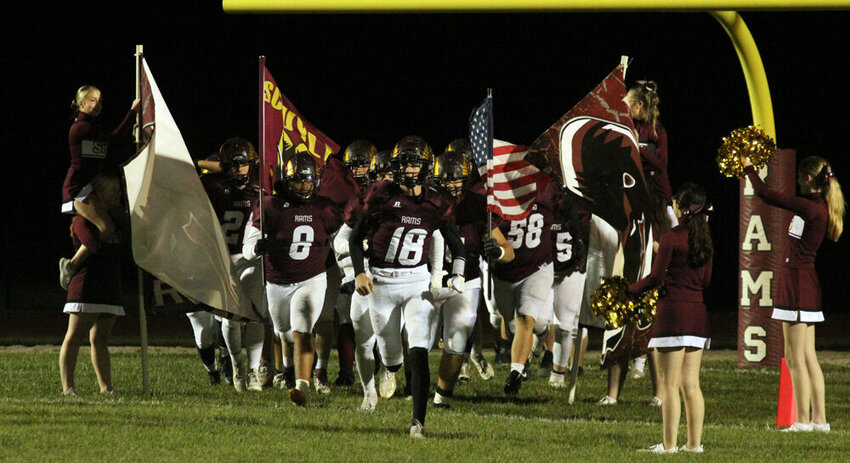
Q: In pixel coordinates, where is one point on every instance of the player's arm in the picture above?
(340, 243)
(362, 283)
(497, 247)
(253, 244)
(456, 247)
(435, 258)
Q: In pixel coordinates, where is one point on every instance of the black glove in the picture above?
(491, 248)
(261, 246)
(347, 288)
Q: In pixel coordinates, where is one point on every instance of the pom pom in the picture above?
(612, 302)
(647, 305)
(750, 142)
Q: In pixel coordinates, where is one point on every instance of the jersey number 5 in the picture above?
(412, 244)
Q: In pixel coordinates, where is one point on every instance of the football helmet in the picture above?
(452, 171)
(357, 157)
(300, 177)
(411, 161)
(460, 145)
(235, 153)
(380, 166)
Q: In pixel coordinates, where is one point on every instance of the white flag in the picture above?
(175, 233)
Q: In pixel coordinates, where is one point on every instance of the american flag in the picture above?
(514, 183)
(481, 134)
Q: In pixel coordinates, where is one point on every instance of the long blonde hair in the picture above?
(82, 92)
(646, 92)
(822, 179)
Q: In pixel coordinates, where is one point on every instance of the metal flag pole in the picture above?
(143, 321)
(262, 145)
(489, 199)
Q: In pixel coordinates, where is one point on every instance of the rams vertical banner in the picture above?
(286, 131)
(763, 248)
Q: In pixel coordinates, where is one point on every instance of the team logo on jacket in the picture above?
(397, 205)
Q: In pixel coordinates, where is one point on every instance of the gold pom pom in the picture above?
(750, 142)
(613, 303)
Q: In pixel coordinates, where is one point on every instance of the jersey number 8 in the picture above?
(302, 240)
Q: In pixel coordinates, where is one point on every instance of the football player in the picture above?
(232, 194)
(380, 167)
(398, 220)
(522, 286)
(569, 259)
(458, 311)
(298, 224)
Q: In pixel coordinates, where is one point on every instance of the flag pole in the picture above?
(489, 200)
(143, 321)
(262, 145)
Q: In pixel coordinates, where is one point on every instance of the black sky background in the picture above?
(382, 77)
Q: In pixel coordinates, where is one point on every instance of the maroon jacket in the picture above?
(655, 165)
(671, 268)
(91, 148)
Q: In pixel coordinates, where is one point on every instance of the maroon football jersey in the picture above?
(401, 226)
(471, 221)
(298, 237)
(232, 207)
(530, 237)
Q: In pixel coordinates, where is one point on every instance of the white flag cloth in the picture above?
(175, 233)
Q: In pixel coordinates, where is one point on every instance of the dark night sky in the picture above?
(381, 77)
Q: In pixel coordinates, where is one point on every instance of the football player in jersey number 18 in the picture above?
(398, 221)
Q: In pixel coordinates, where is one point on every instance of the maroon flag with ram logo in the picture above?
(592, 152)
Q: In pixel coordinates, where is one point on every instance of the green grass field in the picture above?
(187, 420)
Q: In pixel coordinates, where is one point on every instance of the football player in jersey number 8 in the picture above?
(298, 224)
(398, 221)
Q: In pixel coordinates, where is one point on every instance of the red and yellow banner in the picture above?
(285, 131)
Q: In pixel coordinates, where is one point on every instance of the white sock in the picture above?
(520, 367)
(640, 363)
(253, 341)
(302, 385)
(320, 364)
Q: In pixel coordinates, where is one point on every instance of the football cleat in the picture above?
(278, 381)
(239, 379)
(417, 430)
(297, 397)
(320, 381)
(264, 375)
(556, 380)
(513, 383)
(441, 401)
(485, 370)
(289, 377)
(214, 377)
(254, 383)
(386, 383)
(545, 364)
(65, 273)
(464, 376)
(226, 367)
(70, 392)
(345, 378)
(370, 401)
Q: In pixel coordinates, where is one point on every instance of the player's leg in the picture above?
(386, 324)
(253, 341)
(205, 329)
(419, 319)
(692, 394)
(78, 326)
(305, 308)
(566, 305)
(345, 342)
(232, 332)
(278, 297)
(364, 354)
(324, 330)
(99, 339)
(458, 321)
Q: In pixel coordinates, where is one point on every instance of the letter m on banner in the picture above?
(284, 131)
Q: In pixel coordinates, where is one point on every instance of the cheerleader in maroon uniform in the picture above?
(94, 293)
(92, 148)
(680, 331)
(818, 212)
